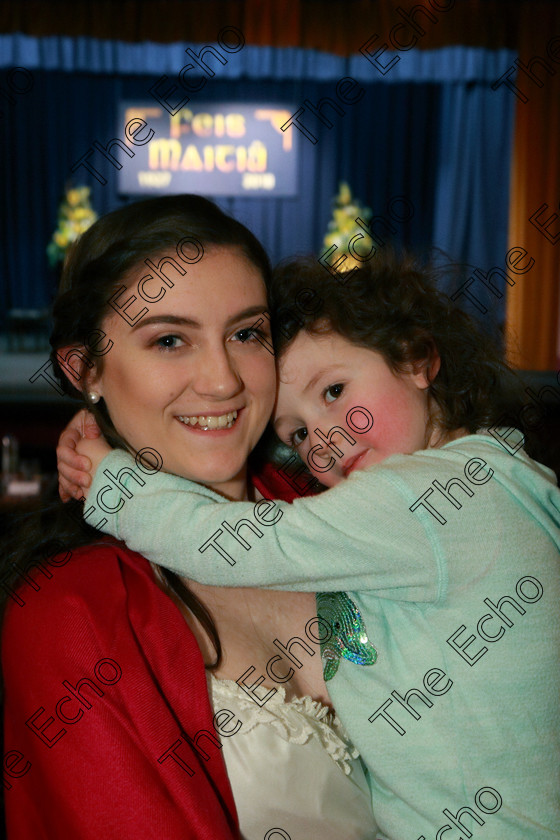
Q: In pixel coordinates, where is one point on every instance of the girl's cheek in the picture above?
(329, 479)
(359, 418)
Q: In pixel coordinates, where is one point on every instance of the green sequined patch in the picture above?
(349, 635)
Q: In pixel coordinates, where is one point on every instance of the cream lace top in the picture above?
(292, 768)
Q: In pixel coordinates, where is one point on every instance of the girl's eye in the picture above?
(297, 437)
(249, 334)
(333, 391)
(167, 342)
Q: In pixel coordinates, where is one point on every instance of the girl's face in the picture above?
(190, 379)
(321, 379)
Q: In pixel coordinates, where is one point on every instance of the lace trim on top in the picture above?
(296, 721)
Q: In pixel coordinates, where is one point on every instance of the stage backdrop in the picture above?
(217, 148)
(430, 136)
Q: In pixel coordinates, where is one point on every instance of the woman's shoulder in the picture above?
(57, 596)
(101, 604)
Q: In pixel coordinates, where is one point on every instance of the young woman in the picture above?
(111, 724)
(439, 542)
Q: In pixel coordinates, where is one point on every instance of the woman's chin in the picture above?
(211, 473)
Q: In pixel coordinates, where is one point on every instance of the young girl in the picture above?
(439, 554)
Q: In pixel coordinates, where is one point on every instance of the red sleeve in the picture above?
(103, 683)
(278, 482)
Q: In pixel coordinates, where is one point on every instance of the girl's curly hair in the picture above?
(391, 305)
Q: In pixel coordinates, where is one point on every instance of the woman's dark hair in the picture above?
(391, 305)
(95, 269)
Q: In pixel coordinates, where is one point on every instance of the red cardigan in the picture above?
(104, 681)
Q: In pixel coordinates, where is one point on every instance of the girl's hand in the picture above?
(73, 467)
(95, 451)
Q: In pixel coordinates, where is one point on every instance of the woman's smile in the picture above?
(211, 421)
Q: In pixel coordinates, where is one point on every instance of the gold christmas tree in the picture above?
(75, 216)
(343, 227)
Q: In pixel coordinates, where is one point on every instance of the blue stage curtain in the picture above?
(431, 130)
(92, 55)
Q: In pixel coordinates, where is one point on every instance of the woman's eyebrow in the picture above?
(166, 319)
(191, 322)
(249, 313)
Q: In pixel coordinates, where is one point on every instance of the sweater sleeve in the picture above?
(102, 681)
(347, 538)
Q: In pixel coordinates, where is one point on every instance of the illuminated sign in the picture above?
(213, 149)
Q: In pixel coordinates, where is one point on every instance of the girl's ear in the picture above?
(433, 366)
(424, 372)
(80, 371)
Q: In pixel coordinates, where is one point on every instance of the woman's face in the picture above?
(175, 380)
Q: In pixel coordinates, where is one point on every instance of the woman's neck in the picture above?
(235, 489)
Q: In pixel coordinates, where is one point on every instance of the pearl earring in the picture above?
(93, 397)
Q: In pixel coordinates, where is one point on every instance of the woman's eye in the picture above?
(249, 333)
(297, 437)
(167, 342)
(333, 392)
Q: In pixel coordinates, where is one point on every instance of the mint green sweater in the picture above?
(451, 560)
